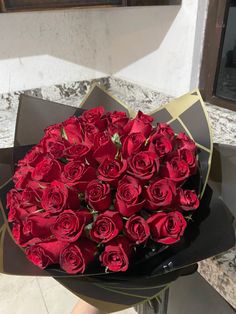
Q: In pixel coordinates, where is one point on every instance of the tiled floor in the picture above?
(26, 295)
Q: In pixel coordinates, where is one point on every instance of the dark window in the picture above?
(22, 5)
(225, 85)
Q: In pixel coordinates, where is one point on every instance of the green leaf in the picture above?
(116, 140)
(63, 134)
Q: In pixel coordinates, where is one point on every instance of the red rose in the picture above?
(132, 144)
(18, 210)
(31, 196)
(106, 226)
(45, 253)
(128, 196)
(167, 228)
(13, 202)
(160, 194)
(72, 131)
(144, 165)
(76, 152)
(187, 199)
(189, 157)
(118, 121)
(76, 256)
(116, 254)
(55, 197)
(69, 225)
(183, 141)
(118, 117)
(54, 146)
(140, 124)
(103, 148)
(38, 226)
(47, 170)
(176, 169)
(54, 130)
(98, 195)
(93, 116)
(90, 130)
(33, 157)
(137, 229)
(111, 170)
(22, 176)
(159, 144)
(78, 174)
(165, 130)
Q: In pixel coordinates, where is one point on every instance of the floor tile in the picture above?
(20, 295)
(58, 299)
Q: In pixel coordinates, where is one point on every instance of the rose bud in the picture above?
(54, 131)
(53, 146)
(13, 202)
(22, 177)
(76, 256)
(106, 226)
(144, 165)
(189, 157)
(111, 170)
(117, 122)
(69, 225)
(78, 174)
(47, 170)
(159, 144)
(116, 254)
(183, 141)
(176, 170)
(128, 196)
(167, 228)
(137, 229)
(140, 124)
(93, 115)
(45, 253)
(187, 199)
(132, 144)
(55, 197)
(160, 194)
(72, 130)
(33, 157)
(98, 195)
(165, 130)
(76, 152)
(104, 148)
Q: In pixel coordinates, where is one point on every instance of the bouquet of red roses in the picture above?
(114, 208)
(99, 186)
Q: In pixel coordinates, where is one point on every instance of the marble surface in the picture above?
(219, 271)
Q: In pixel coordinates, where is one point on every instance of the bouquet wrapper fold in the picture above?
(210, 233)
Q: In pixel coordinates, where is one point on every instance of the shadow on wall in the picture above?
(88, 38)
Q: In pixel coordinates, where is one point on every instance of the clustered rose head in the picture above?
(97, 186)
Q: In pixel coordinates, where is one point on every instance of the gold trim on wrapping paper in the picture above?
(132, 113)
(211, 139)
(2, 235)
(178, 106)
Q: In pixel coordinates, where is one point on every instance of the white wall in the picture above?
(154, 46)
(45, 48)
(172, 38)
